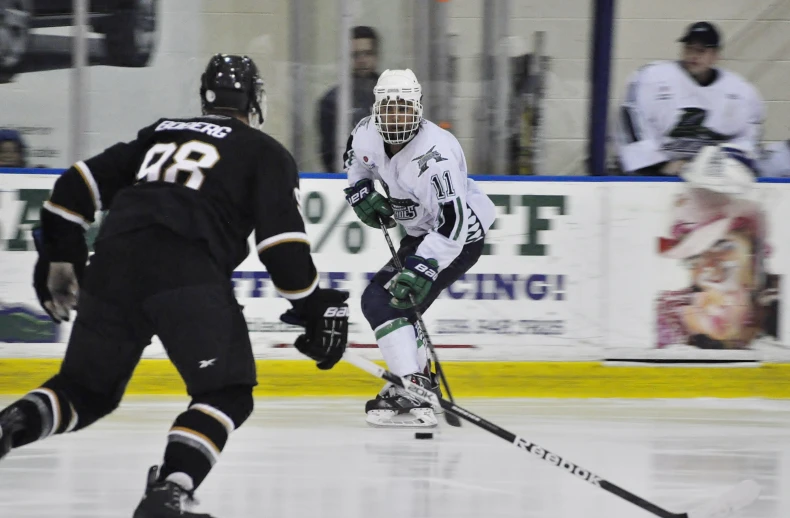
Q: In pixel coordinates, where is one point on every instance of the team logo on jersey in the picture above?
(348, 158)
(690, 133)
(423, 160)
(690, 123)
(362, 122)
(404, 209)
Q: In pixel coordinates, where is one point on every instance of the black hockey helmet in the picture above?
(232, 82)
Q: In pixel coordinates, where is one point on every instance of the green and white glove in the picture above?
(415, 280)
(369, 206)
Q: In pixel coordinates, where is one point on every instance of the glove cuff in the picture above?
(314, 305)
(425, 268)
(60, 241)
(365, 182)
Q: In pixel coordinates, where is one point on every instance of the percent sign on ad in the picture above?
(335, 218)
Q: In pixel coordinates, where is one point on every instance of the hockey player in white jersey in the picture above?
(446, 215)
(674, 108)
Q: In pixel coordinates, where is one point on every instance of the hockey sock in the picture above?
(194, 444)
(422, 350)
(398, 344)
(44, 412)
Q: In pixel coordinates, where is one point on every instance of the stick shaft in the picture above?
(451, 419)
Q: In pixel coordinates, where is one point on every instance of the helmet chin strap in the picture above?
(256, 108)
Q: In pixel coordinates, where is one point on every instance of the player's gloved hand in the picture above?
(369, 206)
(57, 282)
(414, 281)
(324, 315)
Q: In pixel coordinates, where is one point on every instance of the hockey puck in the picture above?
(421, 435)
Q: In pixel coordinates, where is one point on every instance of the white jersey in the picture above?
(775, 160)
(427, 186)
(668, 116)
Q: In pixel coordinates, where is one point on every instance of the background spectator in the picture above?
(365, 58)
(12, 149)
(674, 108)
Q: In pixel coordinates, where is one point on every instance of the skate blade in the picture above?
(415, 418)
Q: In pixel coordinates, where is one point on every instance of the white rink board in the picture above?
(506, 299)
(571, 272)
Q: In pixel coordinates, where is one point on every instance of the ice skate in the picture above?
(395, 408)
(165, 499)
(10, 423)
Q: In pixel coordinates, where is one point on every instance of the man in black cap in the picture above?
(701, 52)
(673, 109)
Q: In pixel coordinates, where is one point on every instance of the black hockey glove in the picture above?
(57, 283)
(415, 280)
(324, 315)
(369, 206)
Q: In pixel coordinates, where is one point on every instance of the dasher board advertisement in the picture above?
(571, 271)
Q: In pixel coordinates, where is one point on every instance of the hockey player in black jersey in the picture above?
(183, 198)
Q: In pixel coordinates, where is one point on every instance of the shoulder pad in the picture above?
(364, 123)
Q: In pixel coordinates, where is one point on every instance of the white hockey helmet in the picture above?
(724, 168)
(397, 111)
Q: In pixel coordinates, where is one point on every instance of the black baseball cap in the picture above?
(702, 32)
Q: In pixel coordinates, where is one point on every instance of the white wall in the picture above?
(756, 34)
(567, 27)
(757, 45)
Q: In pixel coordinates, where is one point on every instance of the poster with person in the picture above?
(718, 234)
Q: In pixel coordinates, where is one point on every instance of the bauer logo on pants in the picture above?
(557, 461)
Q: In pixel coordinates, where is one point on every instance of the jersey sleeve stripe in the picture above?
(629, 126)
(285, 237)
(298, 294)
(459, 218)
(67, 214)
(447, 220)
(90, 181)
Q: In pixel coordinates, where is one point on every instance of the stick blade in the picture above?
(730, 502)
(452, 419)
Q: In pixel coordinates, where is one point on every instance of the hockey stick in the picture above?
(451, 419)
(727, 503)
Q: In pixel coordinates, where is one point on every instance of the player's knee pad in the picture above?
(229, 405)
(82, 406)
(376, 306)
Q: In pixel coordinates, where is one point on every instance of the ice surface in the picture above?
(317, 458)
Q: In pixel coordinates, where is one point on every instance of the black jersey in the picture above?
(212, 179)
